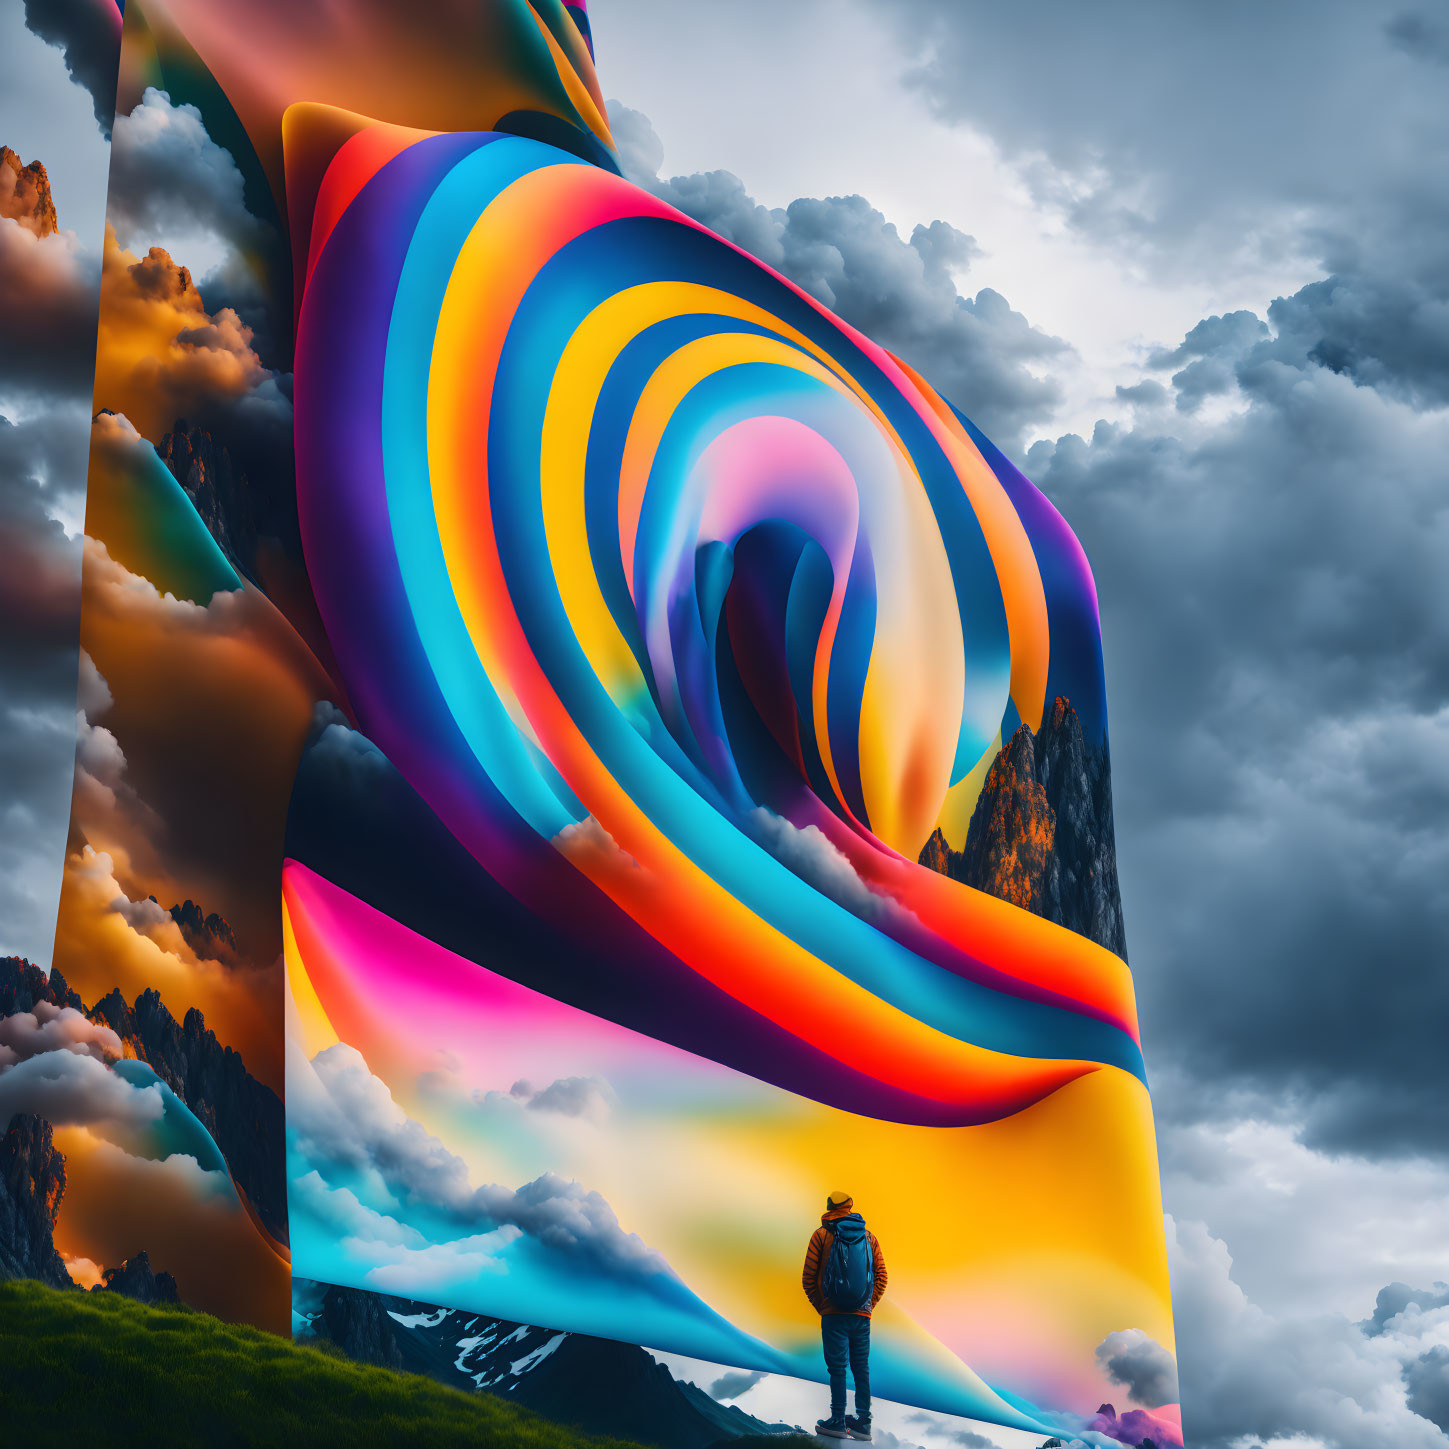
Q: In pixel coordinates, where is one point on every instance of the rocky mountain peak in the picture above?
(1009, 843)
(137, 1279)
(1042, 833)
(25, 194)
(22, 984)
(113, 1011)
(936, 854)
(32, 1183)
(209, 936)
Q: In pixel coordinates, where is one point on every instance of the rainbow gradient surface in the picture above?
(687, 614)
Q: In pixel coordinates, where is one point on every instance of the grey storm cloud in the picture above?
(348, 758)
(1275, 603)
(49, 292)
(732, 1385)
(1149, 393)
(170, 179)
(49, 289)
(1253, 1377)
(91, 47)
(566, 1217)
(901, 292)
(1207, 356)
(952, 1430)
(1422, 34)
(1427, 1382)
(886, 1440)
(1191, 134)
(1386, 330)
(1398, 1298)
(1213, 337)
(1141, 1365)
(172, 184)
(1273, 600)
(42, 471)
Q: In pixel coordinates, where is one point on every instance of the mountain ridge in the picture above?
(597, 1385)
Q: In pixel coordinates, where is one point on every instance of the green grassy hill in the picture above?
(73, 1362)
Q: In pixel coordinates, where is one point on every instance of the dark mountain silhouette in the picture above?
(358, 1323)
(217, 487)
(593, 1384)
(22, 984)
(32, 1182)
(244, 1116)
(210, 936)
(1042, 835)
(137, 1279)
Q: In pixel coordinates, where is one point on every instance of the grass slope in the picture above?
(73, 1362)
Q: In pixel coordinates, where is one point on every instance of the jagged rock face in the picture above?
(25, 194)
(937, 854)
(1008, 850)
(137, 1279)
(243, 1116)
(218, 488)
(208, 935)
(1078, 782)
(22, 984)
(1042, 835)
(357, 1322)
(32, 1182)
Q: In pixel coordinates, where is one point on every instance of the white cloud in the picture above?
(813, 856)
(55, 1028)
(1311, 1232)
(342, 1211)
(412, 1271)
(74, 1090)
(340, 1113)
(1250, 1376)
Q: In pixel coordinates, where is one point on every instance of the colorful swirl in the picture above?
(688, 611)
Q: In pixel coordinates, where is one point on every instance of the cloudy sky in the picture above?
(1187, 265)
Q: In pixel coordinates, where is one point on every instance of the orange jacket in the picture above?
(818, 1253)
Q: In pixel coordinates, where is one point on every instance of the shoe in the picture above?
(832, 1428)
(857, 1428)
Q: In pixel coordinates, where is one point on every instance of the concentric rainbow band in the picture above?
(656, 580)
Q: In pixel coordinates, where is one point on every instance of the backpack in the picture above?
(849, 1277)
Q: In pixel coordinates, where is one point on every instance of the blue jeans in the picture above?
(846, 1337)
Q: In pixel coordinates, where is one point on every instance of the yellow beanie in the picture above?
(838, 1200)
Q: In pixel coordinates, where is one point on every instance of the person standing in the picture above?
(844, 1279)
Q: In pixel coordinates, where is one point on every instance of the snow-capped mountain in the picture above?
(594, 1384)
